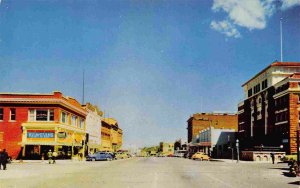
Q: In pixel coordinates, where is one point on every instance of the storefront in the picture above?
(66, 142)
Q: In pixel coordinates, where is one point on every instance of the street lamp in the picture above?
(237, 150)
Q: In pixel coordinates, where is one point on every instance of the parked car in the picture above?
(99, 156)
(201, 156)
(121, 155)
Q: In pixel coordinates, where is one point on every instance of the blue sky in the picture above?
(148, 64)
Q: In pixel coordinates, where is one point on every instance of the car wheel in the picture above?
(201, 159)
(93, 159)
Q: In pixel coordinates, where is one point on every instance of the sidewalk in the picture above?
(46, 161)
(241, 161)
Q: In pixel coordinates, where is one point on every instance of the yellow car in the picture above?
(201, 156)
(121, 156)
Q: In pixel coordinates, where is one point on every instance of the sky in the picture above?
(148, 64)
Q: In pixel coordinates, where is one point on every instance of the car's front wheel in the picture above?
(93, 159)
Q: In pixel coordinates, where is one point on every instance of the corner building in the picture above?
(268, 117)
(201, 121)
(31, 124)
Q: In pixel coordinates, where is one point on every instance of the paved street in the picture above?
(147, 173)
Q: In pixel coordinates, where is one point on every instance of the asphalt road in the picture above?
(147, 173)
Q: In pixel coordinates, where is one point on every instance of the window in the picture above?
(64, 117)
(73, 120)
(81, 123)
(1, 114)
(41, 115)
(51, 115)
(31, 115)
(13, 114)
(250, 92)
(265, 84)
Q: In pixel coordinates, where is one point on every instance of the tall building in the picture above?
(31, 124)
(201, 121)
(268, 117)
(112, 135)
(93, 127)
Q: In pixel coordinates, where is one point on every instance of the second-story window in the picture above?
(64, 117)
(41, 115)
(73, 120)
(12, 114)
(1, 114)
(81, 123)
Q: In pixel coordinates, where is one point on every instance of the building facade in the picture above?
(112, 135)
(31, 124)
(201, 121)
(166, 149)
(268, 117)
(93, 127)
(217, 143)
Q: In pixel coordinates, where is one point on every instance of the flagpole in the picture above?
(281, 54)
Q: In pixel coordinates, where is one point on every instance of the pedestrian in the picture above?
(0, 159)
(50, 155)
(4, 158)
(54, 155)
(273, 157)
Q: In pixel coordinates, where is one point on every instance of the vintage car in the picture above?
(200, 156)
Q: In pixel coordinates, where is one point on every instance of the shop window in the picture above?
(13, 114)
(1, 114)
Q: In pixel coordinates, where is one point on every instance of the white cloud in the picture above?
(286, 4)
(226, 28)
(250, 14)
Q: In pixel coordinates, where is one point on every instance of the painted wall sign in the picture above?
(40, 134)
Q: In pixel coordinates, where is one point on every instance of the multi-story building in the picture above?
(269, 115)
(93, 127)
(106, 144)
(119, 138)
(166, 149)
(201, 121)
(217, 143)
(31, 124)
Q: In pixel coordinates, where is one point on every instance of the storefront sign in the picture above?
(61, 134)
(40, 134)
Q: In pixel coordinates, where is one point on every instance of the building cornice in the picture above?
(44, 101)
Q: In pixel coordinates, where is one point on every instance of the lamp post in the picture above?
(237, 150)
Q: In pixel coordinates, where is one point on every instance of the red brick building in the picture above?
(269, 115)
(31, 124)
(201, 121)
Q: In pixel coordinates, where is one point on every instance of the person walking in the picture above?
(54, 155)
(273, 157)
(50, 155)
(4, 158)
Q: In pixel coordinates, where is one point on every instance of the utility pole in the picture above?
(83, 87)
